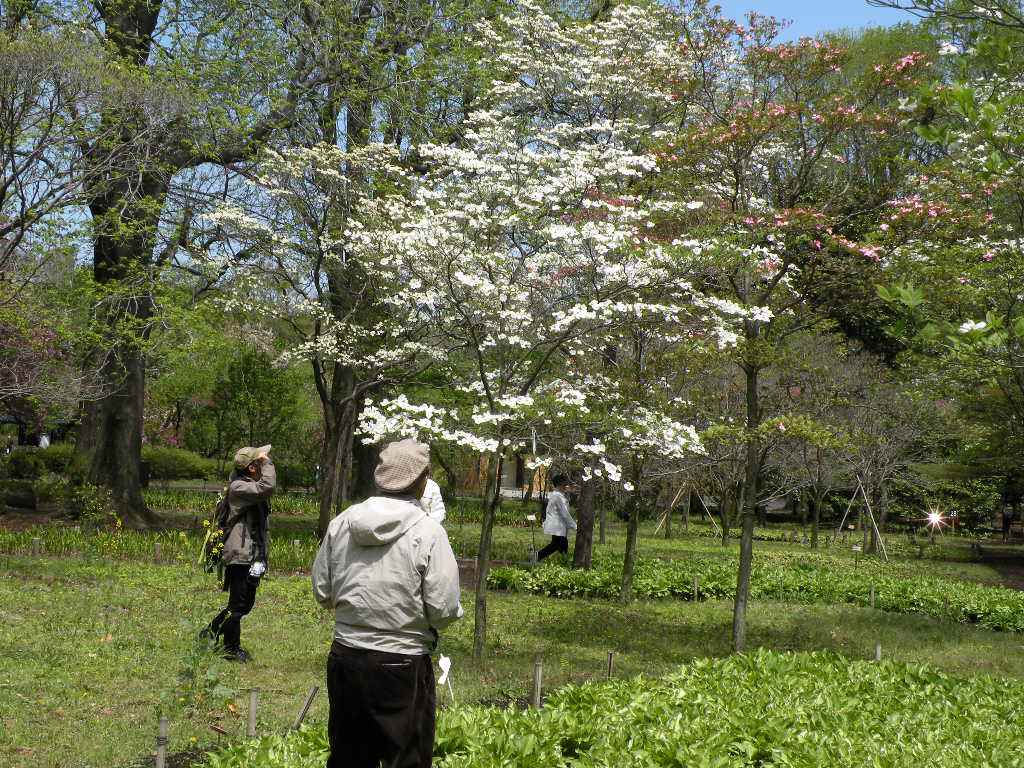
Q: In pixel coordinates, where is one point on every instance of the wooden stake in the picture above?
(161, 744)
(305, 707)
(696, 588)
(538, 679)
(37, 546)
(611, 663)
(156, 552)
(878, 650)
(872, 595)
(254, 702)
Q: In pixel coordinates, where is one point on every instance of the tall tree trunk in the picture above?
(125, 219)
(528, 496)
(365, 457)
(483, 558)
(345, 474)
(750, 493)
(117, 437)
(629, 561)
(333, 467)
(583, 554)
(449, 473)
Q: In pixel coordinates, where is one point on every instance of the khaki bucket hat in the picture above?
(246, 456)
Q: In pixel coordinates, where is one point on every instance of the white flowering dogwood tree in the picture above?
(290, 270)
(533, 233)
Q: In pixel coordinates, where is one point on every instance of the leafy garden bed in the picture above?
(766, 709)
(783, 578)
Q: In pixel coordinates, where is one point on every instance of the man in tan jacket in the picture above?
(387, 571)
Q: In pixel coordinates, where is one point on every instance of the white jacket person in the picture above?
(557, 520)
(432, 502)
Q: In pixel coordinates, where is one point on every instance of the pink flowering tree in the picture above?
(769, 152)
(953, 234)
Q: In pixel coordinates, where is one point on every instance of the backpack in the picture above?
(211, 556)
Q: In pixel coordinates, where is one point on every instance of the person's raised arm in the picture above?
(247, 489)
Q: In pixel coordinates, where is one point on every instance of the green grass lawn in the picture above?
(95, 649)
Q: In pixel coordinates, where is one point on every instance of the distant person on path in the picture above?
(387, 571)
(432, 502)
(557, 520)
(245, 545)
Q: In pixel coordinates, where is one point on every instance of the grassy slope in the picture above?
(93, 650)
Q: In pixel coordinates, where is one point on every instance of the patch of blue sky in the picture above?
(811, 17)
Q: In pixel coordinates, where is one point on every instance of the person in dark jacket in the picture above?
(246, 545)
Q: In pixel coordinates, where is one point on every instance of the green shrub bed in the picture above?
(828, 580)
(181, 547)
(201, 503)
(766, 709)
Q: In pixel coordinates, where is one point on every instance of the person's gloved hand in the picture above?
(257, 569)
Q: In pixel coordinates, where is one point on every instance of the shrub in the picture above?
(57, 458)
(51, 488)
(763, 709)
(91, 505)
(831, 581)
(167, 463)
(17, 493)
(294, 475)
(24, 464)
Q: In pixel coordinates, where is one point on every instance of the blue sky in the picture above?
(812, 16)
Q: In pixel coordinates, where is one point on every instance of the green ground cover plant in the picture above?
(765, 709)
(182, 540)
(89, 696)
(820, 579)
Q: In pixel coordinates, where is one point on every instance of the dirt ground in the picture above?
(12, 519)
(1009, 562)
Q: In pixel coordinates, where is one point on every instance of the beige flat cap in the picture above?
(401, 464)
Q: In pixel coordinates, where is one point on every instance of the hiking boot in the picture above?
(209, 635)
(237, 654)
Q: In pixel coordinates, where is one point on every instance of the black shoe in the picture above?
(237, 654)
(209, 635)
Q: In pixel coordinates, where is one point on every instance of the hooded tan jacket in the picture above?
(389, 573)
(249, 499)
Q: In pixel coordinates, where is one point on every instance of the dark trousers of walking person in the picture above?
(382, 709)
(241, 598)
(558, 544)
